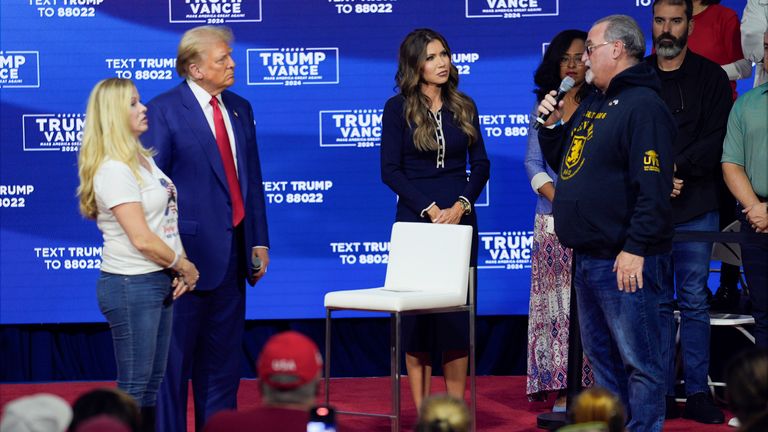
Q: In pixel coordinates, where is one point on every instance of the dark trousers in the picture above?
(754, 259)
(206, 346)
(729, 274)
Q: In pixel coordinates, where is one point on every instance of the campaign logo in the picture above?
(19, 69)
(292, 66)
(350, 128)
(214, 11)
(509, 250)
(52, 132)
(511, 8)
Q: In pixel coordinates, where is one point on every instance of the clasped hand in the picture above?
(186, 278)
(450, 215)
(757, 216)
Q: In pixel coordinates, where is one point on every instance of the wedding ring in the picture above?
(632, 276)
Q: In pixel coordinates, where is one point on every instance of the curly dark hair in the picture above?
(547, 75)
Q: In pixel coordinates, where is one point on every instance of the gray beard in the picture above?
(589, 76)
(669, 52)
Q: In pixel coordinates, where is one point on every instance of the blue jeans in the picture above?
(139, 312)
(688, 278)
(619, 331)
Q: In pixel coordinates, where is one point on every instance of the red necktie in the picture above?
(222, 141)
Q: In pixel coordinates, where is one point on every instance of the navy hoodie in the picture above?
(615, 169)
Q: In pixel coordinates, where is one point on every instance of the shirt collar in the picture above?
(202, 96)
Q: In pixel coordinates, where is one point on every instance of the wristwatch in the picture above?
(465, 205)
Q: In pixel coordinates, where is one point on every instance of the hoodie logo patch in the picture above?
(574, 158)
(651, 161)
(613, 102)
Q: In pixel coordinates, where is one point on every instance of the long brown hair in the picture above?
(413, 53)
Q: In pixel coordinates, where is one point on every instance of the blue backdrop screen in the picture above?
(317, 73)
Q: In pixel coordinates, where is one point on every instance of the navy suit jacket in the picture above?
(187, 152)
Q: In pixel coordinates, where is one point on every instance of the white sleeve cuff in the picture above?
(424, 212)
(540, 180)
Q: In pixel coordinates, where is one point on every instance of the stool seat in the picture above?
(729, 319)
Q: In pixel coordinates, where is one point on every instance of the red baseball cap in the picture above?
(289, 360)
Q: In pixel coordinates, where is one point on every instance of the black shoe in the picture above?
(701, 408)
(148, 416)
(672, 410)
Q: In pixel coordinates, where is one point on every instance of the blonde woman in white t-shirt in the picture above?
(144, 267)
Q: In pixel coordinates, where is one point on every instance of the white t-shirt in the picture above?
(115, 184)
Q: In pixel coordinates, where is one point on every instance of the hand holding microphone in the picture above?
(259, 263)
(550, 104)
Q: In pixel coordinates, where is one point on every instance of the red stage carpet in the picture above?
(502, 404)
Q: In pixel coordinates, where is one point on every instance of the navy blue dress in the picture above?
(420, 178)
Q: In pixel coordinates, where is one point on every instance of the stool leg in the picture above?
(394, 362)
(327, 371)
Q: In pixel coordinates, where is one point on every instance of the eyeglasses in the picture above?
(592, 48)
(576, 59)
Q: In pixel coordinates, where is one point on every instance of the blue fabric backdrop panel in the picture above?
(317, 73)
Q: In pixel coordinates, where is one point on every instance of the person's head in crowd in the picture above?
(671, 26)
(597, 404)
(614, 43)
(102, 423)
(289, 369)
(443, 413)
(37, 413)
(205, 56)
(115, 117)
(747, 380)
(425, 62)
(563, 57)
(112, 402)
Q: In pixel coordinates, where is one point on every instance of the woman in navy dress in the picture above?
(430, 135)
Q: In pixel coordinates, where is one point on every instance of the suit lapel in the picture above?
(236, 117)
(198, 125)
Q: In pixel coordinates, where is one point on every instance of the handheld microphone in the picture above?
(565, 86)
(255, 263)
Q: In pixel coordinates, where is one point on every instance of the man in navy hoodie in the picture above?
(612, 207)
(698, 93)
